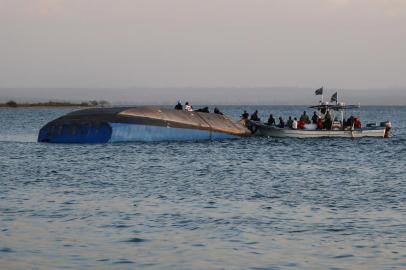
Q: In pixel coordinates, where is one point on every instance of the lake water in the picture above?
(253, 203)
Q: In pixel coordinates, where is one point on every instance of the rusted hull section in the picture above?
(104, 125)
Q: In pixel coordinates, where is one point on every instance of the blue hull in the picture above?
(119, 132)
(144, 133)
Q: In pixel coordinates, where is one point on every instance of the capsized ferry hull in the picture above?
(139, 124)
(296, 133)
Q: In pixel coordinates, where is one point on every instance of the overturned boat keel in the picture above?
(143, 124)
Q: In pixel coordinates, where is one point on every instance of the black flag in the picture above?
(334, 97)
(319, 91)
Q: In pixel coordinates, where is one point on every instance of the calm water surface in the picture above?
(257, 203)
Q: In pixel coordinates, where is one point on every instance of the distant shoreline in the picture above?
(43, 107)
(53, 104)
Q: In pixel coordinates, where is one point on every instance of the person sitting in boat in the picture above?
(271, 120)
(188, 107)
(350, 121)
(357, 122)
(179, 106)
(254, 116)
(328, 121)
(290, 122)
(294, 124)
(301, 124)
(217, 111)
(245, 115)
(320, 124)
(281, 123)
(315, 118)
(305, 118)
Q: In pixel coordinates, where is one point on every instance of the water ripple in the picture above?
(254, 203)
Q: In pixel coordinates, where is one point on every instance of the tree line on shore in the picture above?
(91, 103)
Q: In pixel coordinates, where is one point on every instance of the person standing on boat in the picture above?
(281, 122)
(179, 106)
(254, 116)
(327, 121)
(294, 124)
(315, 118)
(290, 122)
(271, 120)
(188, 107)
(305, 118)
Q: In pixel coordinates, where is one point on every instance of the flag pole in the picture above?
(322, 93)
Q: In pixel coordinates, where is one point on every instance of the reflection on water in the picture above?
(241, 204)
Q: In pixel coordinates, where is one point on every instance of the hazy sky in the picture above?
(205, 43)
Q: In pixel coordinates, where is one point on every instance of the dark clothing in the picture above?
(328, 121)
(217, 111)
(281, 123)
(205, 110)
(315, 118)
(245, 115)
(328, 124)
(290, 123)
(271, 121)
(350, 121)
(178, 107)
(254, 117)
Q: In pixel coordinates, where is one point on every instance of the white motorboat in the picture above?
(329, 124)
(273, 131)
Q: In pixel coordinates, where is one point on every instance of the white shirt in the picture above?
(188, 108)
(294, 125)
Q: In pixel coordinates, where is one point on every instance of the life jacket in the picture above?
(300, 124)
(320, 123)
(357, 122)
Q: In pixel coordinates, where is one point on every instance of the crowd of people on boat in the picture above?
(317, 121)
(322, 120)
(188, 107)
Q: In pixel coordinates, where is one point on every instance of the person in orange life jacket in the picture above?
(300, 124)
(320, 123)
(357, 122)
